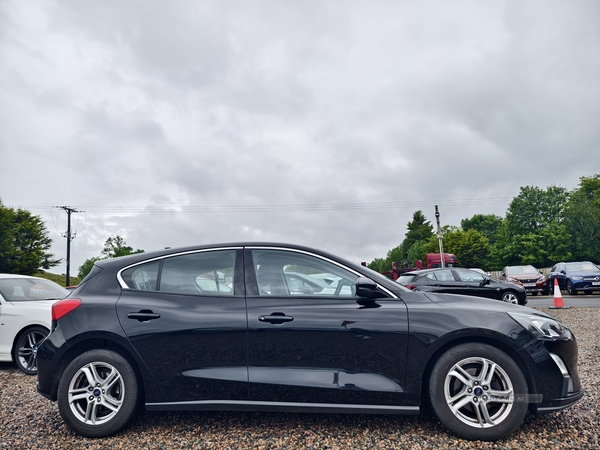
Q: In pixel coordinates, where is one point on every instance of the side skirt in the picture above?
(232, 405)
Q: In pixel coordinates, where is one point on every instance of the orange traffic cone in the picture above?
(558, 301)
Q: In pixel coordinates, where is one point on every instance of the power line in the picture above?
(284, 207)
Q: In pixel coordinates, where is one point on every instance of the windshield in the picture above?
(521, 270)
(582, 267)
(27, 289)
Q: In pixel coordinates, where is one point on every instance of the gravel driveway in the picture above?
(29, 421)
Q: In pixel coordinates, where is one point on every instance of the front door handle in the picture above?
(276, 318)
(143, 316)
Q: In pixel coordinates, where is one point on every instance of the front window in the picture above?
(286, 273)
(469, 275)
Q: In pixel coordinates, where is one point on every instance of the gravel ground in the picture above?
(29, 421)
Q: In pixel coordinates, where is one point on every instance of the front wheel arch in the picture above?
(502, 346)
(474, 391)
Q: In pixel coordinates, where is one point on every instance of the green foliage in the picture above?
(487, 224)
(87, 265)
(535, 209)
(582, 219)
(411, 248)
(470, 247)
(113, 248)
(60, 279)
(24, 242)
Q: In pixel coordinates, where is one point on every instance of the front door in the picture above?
(320, 346)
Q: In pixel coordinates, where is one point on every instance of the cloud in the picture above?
(321, 123)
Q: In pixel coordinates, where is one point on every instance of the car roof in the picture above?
(139, 257)
(14, 275)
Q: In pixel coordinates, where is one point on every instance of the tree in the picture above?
(470, 247)
(419, 232)
(582, 219)
(87, 266)
(534, 209)
(113, 248)
(487, 224)
(419, 229)
(24, 242)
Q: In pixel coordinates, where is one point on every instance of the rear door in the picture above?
(186, 317)
(321, 347)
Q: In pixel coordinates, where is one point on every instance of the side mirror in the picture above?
(485, 281)
(367, 288)
(503, 274)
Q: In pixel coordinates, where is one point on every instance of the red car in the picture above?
(529, 277)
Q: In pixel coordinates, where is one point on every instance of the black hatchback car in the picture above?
(465, 282)
(218, 328)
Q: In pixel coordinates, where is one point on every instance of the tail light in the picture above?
(411, 286)
(64, 307)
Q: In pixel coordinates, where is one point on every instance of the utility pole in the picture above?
(439, 235)
(69, 237)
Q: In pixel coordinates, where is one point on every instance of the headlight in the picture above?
(577, 278)
(542, 327)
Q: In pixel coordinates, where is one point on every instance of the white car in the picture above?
(25, 317)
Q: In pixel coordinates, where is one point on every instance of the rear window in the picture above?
(405, 279)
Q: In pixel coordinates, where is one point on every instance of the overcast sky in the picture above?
(323, 123)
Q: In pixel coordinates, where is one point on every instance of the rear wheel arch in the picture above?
(93, 344)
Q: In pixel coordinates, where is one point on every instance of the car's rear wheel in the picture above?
(510, 297)
(478, 392)
(25, 351)
(570, 288)
(98, 393)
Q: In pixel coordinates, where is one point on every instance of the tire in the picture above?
(570, 288)
(25, 350)
(510, 297)
(98, 394)
(483, 370)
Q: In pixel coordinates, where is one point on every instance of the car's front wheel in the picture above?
(570, 288)
(510, 297)
(98, 393)
(478, 392)
(25, 351)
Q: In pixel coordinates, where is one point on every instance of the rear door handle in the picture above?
(276, 318)
(143, 316)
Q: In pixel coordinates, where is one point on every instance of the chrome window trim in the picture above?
(158, 258)
(331, 261)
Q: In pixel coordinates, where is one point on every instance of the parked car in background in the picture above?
(463, 281)
(25, 317)
(534, 281)
(576, 277)
(132, 336)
